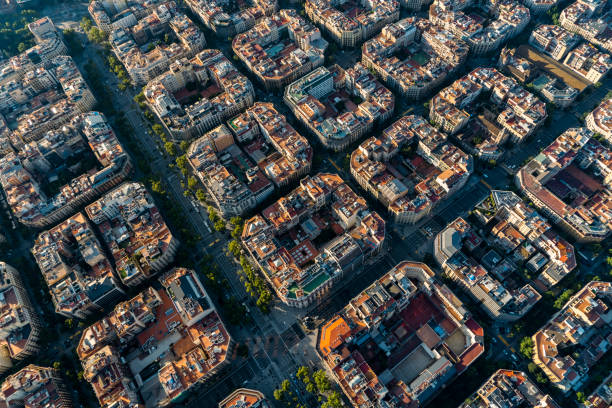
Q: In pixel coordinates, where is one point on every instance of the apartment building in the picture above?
(30, 176)
(293, 154)
(176, 326)
(49, 44)
(553, 40)
(509, 236)
(397, 342)
(143, 57)
(521, 112)
(586, 18)
(20, 325)
(556, 91)
(414, 5)
(280, 49)
(431, 54)
(110, 15)
(410, 168)
(307, 241)
(134, 231)
(602, 396)
(221, 92)
(339, 106)
(512, 18)
(356, 22)
(44, 98)
(35, 386)
(584, 323)
(509, 389)
(79, 275)
(226, 21)
(241, 164)
(245, 398)
(587, 61)
(498, 301)
(233, 194)
(569, 182)
(600, 120)
(538, 7)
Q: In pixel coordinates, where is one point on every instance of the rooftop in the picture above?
(223, 90)
(168, 339)
(571, 178)
(600, 120)
(339, 106)
(423, 338)
(31, 176)
(134, 231)
(245, 398)
(19, 323)
(410, 167)
(308, 239)
(584, 322)
(354, 20)
(133, 42)
(35, 386)
(279, 46)
(224, 20)
(75, 267)
(410, 66)
(509, 389)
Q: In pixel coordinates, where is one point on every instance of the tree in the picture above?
(219, 225)
(170, 148)
(157, 128)
(562, 300)
(321, 380)
(532, 368)
(580, 396)
(234, 248)
(96, 35)
(86, 24)
(264, 301)
(57, 365)
(73, 42)
(541, 378)
(526, 347)
(157, 187)
(303, 373)
(181, 162)
(139, 97)
(278, 395)
(192, 183)
(236, 220)
(212, 214)
(200, 195)
(237, 232)
(184, 145)
(333, 401)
